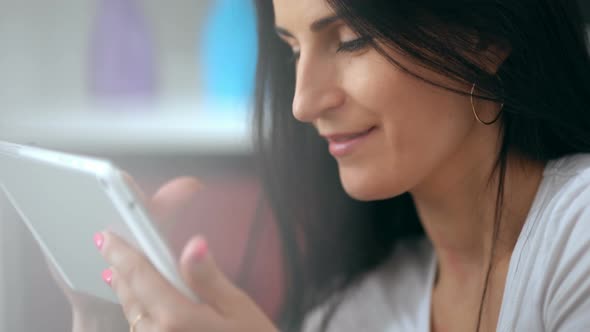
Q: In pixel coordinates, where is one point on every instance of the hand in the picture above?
(166, 205)
(151, 303)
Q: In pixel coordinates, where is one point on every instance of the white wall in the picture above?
(45, 49)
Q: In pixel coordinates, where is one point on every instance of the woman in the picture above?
(429, 156)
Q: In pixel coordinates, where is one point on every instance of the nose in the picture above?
(317, 90)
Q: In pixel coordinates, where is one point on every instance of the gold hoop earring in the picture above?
(475, 112)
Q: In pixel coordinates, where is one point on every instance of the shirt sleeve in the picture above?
(567, 305)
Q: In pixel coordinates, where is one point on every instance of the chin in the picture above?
(365, 187)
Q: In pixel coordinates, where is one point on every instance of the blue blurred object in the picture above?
(228, 51)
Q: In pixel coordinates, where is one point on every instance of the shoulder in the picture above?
(385, 298)
(563, 242)
(564, 192)
(570, 172)
(562, 206)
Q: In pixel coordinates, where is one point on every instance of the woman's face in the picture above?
(388, 131)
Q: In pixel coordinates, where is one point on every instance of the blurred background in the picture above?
(161, 88)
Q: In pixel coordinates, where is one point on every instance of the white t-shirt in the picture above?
(548, 282)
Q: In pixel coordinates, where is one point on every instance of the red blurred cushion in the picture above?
(224, 212)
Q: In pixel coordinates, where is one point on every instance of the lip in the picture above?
(343, 144)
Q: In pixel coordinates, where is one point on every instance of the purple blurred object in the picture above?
(122, 51)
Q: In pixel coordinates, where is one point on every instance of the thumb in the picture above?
(202, 275)
(173, 200)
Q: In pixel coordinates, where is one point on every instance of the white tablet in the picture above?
(65, 199)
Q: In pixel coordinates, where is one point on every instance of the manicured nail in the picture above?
(200, 250)
(107, 276)
(99, 240)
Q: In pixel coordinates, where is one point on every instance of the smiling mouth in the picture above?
(341, 145)
(340, 138)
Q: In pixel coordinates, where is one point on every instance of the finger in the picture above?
(141, 322)
(172, 317)
(173, 198)
(202, 275)
(146, 284)
(138, 318)
(131, 307)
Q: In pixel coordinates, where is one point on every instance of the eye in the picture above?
(354, 45)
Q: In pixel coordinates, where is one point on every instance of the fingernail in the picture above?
(99, 240)
(200, 250)
(107, 276)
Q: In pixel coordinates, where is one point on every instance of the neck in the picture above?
(458, 212)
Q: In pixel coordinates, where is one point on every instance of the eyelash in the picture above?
(349, 46)
(354, 45)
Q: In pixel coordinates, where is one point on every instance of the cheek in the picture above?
(421, 126)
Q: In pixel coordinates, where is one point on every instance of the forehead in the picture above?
(299, 14)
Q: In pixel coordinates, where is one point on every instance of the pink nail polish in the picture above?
(200, 250)
(107, 276)
(98, 240)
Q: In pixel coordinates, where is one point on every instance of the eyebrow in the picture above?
(316, 26)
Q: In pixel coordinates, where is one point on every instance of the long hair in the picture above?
(330, 240)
